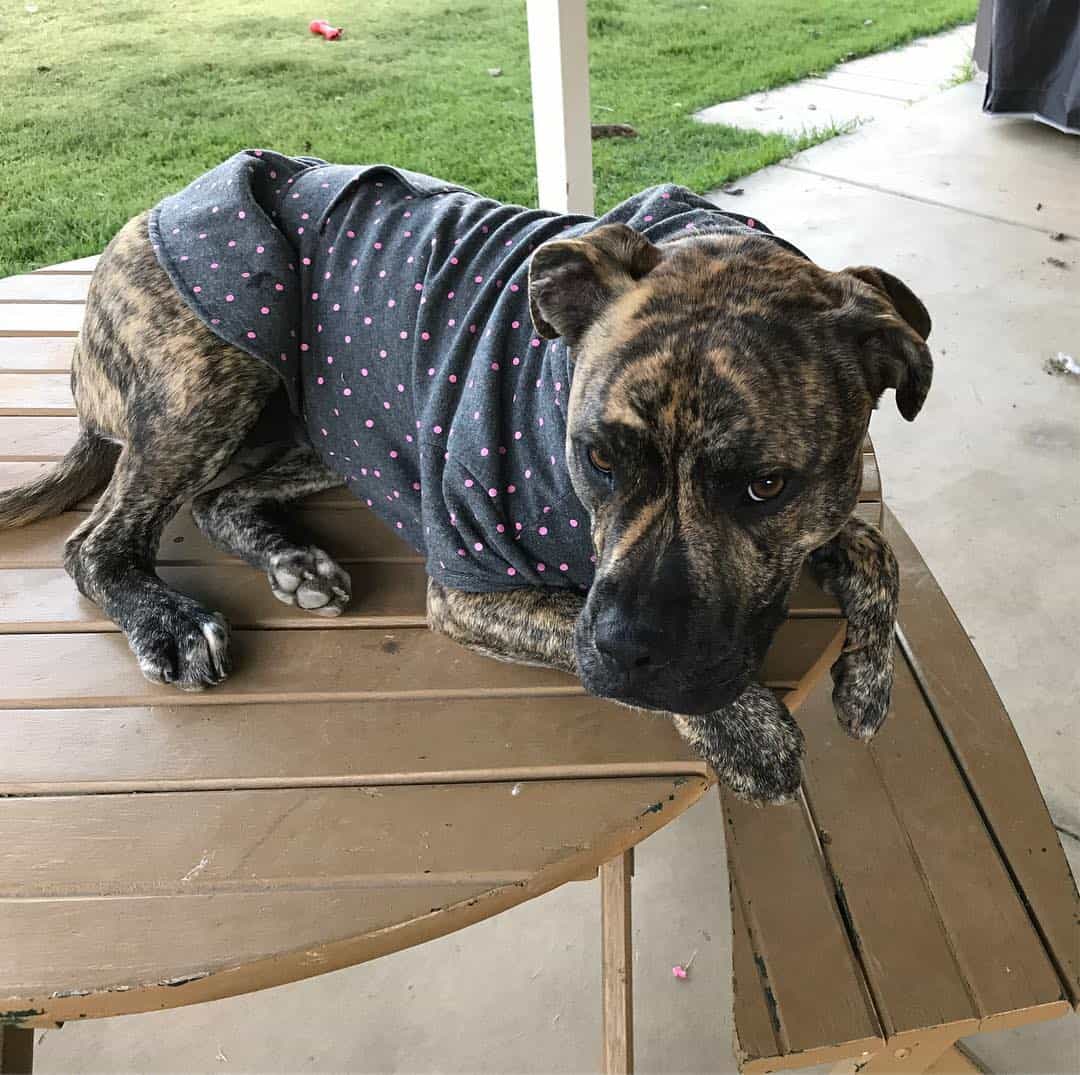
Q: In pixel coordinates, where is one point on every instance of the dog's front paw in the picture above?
(185, 645)
(862, 687)
(753, 745)
(311, 580)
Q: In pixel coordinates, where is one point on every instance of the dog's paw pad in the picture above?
(311, 580)
(187, 647)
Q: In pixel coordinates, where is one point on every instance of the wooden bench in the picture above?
(161, 849)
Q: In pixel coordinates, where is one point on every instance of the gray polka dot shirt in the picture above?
(394, 307)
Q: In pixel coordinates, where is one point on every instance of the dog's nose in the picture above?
(624, 643)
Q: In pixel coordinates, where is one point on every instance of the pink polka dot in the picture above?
(346, 392)
(403, 335)
(367, 320)
(495, 366)
(436, 429)
(214, 265)
(478, 546)
(518, 526)
(305, 347)
(534, 342)
(230, 298)
(511, 571)
(511, 488)
(251, 335)
(369, 423)
(378, 246)
(461, 552)
(514, 287)
(542, 531)
(483, 451)
(363, 371)
(425, 335)
(196, 289)
(517, 434)
(573, 522)
(564, 567)
(452, 322)
(264, 309)
(391, 303)
(541, 567)
(279, 287)
(499, 528)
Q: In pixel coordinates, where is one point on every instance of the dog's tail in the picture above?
(85, 469)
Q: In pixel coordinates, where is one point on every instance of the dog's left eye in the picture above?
(600, 461)
(763, 489)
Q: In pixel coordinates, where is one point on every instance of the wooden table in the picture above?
(361, 785)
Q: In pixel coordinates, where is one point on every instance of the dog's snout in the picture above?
(628, 645)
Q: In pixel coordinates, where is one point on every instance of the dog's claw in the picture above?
(311, 580)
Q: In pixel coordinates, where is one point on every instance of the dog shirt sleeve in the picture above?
(221, 243)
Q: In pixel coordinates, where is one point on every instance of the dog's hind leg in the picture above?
(249, 518)
(151, 376)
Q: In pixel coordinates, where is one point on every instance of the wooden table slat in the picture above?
(983, 740)
(322, 665)
(877, 873)
(45, 600)
(353, 743)
(79, 265)
(46, 394)
(796, 929)
(40, 319)
(490, 833)
(45, 287)
(35, 354)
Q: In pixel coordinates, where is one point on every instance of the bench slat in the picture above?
(984, 741)
(45, 287)
(105, 941)
(264, 840)
(47, 394)
(40, 319)
(87, 751)
(45, 600)
(32, 439)
(79, 265)
(30, 354)
(320, 665)
(995, 944)
(878, 876)
(802, 951)
(348, 535)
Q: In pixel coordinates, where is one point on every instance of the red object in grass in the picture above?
(321, 26)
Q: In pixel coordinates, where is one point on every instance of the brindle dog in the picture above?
(722, 388)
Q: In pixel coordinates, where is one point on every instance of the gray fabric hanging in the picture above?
(1035, 61)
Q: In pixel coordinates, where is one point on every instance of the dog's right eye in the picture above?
(600, 461)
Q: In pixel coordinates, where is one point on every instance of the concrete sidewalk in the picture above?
(987, 481)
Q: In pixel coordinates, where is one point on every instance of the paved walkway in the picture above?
(963, 208)
(861, 91)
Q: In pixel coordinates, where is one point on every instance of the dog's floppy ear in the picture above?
(572, 280)
(893, 326)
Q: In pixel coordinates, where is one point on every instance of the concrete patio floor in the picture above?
(987, 481)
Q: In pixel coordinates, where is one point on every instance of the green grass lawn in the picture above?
(107, 106)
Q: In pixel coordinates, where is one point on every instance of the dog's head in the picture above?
(721, 391)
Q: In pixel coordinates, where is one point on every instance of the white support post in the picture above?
(559, 64)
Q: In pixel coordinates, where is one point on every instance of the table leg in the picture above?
(16, 1051)
(615, 878)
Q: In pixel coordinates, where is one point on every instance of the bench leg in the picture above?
(16, 1051)
(618, 970)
